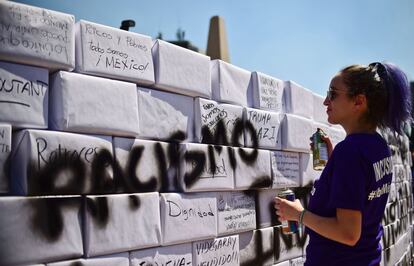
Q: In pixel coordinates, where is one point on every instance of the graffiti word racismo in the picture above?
(175, 210)
(126, 180)
(209, 172)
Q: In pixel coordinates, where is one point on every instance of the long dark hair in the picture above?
(387, 91)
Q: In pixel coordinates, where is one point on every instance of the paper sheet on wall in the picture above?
(52, 163)
(36, 36)
(24, 93)
(115, 53)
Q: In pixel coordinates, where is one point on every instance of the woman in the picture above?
(347, 202)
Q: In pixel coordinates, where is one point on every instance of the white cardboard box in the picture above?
(296, 132)
(113, 53)
(37, 36)
(285, 169)
(150, 163)
(164, 115)
(218, 123)
(218, 251)
(267, 92)
(265, 211)
(181, 70)
(253, 168)
(92, 105)
(297, 261)
(256, 247)
(187, 217)
(284, 263)
(236, 212)
(38, 230)
(230, 83)
(337, 134)
(308, 175)
(205, 168)
(120, 259)
(5, 150)
(170, 255)
(121, 222)
(267, 126)
(319, 109)
(49, 162)
(286, 247)
(298, 100)
(24, 94)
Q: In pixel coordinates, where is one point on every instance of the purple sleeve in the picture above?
(348, 178)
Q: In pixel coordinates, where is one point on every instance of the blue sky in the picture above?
(307, 41)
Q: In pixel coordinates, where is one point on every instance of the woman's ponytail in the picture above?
(399, 97)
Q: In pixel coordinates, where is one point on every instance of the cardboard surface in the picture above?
(265, 211)
(256, 247)
(187, 217)
(38, 230)
(217, 123)
(294, 97)
(92, 105)
(218, 251)
(252, 168)
(5, 150)
(308, 175)
(319, 109)
(287, 246)
(236, 212)
(37, 36)
(54, 163)
(163, 115)
(122, 222)
(267, 126)
(205, 168)
(285, 169)
(267, 92)
(24, 93)
(114, 53)
(120, 259)
(229, 83)
(296, 132)
(170, 255)
(146, 164)
(181, 70)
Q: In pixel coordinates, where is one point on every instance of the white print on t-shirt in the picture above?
(380, 191)
(382, 167)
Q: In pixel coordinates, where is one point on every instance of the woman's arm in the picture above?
(345, 228)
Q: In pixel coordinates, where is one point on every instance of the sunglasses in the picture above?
(332, 94)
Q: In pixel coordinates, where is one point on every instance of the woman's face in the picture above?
(339, 104)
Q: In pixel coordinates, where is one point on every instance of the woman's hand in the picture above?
(328, 142)
(325, 138)
(287, 210)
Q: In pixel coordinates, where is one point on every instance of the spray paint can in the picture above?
(288, 227)
(320, 150)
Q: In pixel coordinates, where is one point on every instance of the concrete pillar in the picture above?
(217, 47)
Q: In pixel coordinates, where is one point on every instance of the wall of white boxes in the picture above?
(117, 149)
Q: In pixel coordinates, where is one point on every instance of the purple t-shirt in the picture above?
(358, 177)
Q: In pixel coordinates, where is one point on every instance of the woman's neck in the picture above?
(359, 127)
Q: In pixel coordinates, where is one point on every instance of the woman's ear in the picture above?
(360, 101)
